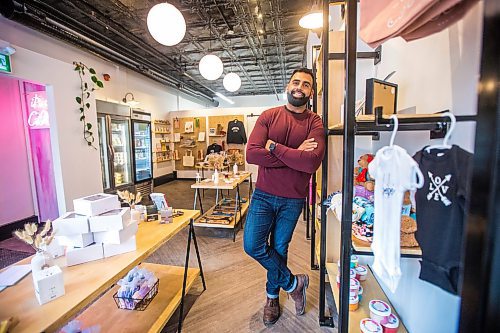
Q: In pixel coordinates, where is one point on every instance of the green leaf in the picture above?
(87, 105)
(89, 143)
(92, 71)
(82, 118)
(77, 68)
(92, 89)
(78, 100)
(83, 72)
(86, 85)
(99, 84)
(81, 109)
(88, 94)
(93, 78)
(89, 126)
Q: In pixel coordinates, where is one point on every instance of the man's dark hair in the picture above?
(304, 70)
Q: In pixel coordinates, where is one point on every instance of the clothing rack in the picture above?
(481, 249)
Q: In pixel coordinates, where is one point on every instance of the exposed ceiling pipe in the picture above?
(278, 39)
(51, 27)
(223, 16)
(254, 50)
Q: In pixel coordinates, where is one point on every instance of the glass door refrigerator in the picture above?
(115, 146)
(143, 163)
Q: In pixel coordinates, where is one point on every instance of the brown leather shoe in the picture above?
(272, 311)
(299, 294)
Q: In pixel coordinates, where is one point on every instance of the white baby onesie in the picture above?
(394, 172)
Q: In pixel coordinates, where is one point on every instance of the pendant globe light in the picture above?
(166, 24)
(211, 67)
(313, 19)
(232, 82)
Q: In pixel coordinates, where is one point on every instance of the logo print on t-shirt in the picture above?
(438, 189)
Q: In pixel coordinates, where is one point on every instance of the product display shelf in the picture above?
(371, 290)
(232, 225)
(362, 247)
(108, 316)
(85, 282)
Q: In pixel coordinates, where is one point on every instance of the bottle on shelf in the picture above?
(215, 177)
(235, 169)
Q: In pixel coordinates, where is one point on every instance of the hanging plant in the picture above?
(86, 88)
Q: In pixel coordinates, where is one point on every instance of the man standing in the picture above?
(288, 144)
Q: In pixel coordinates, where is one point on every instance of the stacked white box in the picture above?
(116, 236)
(96, 204)
(78, 240)
(113, 220)
(97, 228)
(71, 224)
(114, 249)
(75, 255)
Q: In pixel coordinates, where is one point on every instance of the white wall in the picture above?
(48, 61)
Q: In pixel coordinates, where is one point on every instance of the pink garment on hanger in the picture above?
(381, 20)
(440, 22)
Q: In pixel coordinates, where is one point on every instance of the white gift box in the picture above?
(116, 236)
(49, 284)
(71, 224)
(115, 219)
(80, 240)
(54, 248)
(114, 249)
(75, 255)
(96, 204)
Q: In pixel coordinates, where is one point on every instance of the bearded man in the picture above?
(288, 144)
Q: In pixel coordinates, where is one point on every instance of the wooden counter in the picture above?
(84, 282)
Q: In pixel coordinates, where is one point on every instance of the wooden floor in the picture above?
(235, 295)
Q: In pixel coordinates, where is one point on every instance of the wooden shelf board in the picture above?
(371, 290)
(85, 282)
(362, 246)
(232, 225)
(106, 314)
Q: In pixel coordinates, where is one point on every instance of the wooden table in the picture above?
(85, 282)
(240, 209)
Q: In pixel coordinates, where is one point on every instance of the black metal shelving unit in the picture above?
(480, 297)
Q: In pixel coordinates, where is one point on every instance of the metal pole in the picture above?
(324, 320)
(348, 162)
(480, 285)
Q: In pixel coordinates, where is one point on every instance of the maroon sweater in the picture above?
(287, 171)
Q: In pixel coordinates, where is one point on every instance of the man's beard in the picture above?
(297, 102)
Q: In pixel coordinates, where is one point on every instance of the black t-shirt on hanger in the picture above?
(214, 148)
(236, 132)
(441, 204)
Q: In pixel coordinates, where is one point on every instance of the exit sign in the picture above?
(5, 63)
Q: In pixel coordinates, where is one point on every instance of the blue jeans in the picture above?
(269, 227)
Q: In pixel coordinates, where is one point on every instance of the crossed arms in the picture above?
(306, 158)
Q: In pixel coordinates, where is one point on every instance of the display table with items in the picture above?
(83, 283)
(227, 213)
